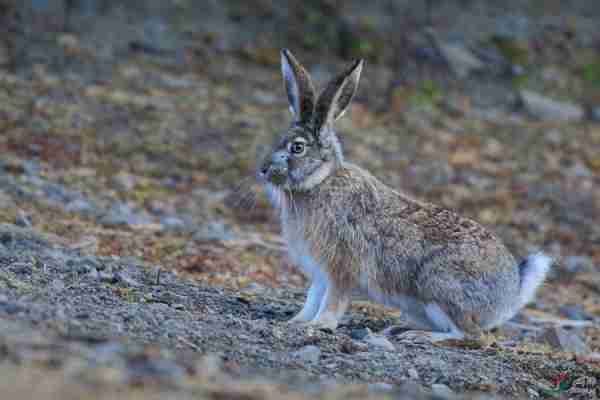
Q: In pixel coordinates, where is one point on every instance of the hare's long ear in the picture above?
(336, 97)
(299, 87)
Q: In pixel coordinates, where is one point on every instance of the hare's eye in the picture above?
(297, 148)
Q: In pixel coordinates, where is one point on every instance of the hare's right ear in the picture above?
(337, 95)
(299, 87)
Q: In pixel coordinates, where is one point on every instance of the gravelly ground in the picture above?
(105, 318)
(126, 144)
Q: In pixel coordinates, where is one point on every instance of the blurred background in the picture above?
(132, 128)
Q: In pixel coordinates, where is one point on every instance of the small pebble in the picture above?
(309, 354)
(126, 278)
(413, 374)
(360, 333)
(58, 285)
(172, 223)
(23, 220)
(380, 387)
(108, 277)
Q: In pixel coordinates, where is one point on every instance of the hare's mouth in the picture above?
(276, 175)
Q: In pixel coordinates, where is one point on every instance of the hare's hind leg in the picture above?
(447, 325)
(314, 298)
(429, 324)
(445, 328)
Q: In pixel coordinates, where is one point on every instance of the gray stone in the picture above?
(107, 353)
(360, 333)
(55, 193)
(547, 109)
(58, 285)
(210, 365)
(563, 340)
(578, 264)
(576, 312)
(442, 391)
(108, 277)
(124, 181)
(461, 60)
(380, 387)
(214, 231)
(125, 278)
(158, 37)
(554, 136)
(595, 114)
(121, 214)
(309, 354)
(172, 223)
(413, 390)
(17, 238)
(22, 220)
(83, 265)
(94, 274)
(30, 167)
(6, 201)
(79, 206)
(517, 70)
(149, 369)
(87, 8)
(11, 308)
(413, 374)
(379, 341)
(22, 268)
(579, 170)
(5, 55)
(47, 5)
(512, 27)
(264, 97)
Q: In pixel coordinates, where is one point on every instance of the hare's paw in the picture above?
(314, 324)
(322, 324)
(324, 321)
(298, 319)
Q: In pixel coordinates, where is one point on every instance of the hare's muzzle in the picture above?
(275, 168)
(275, 174)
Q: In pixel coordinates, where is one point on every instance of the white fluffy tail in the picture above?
(532, 271)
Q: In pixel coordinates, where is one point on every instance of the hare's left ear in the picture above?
(336, 97)
(298, 86)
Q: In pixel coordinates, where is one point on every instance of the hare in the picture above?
(449, 276)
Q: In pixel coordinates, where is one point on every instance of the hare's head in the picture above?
(309, 150)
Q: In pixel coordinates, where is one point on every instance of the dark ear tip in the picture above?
(360, 63)
(285, 53)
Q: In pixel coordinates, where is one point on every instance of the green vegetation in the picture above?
(590, 72)
(517, 53)
(428, 93)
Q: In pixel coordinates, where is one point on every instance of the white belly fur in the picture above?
(299, 255)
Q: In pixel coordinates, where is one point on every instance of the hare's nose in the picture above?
(279, 158)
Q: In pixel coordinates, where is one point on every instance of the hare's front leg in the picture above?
(314, 298)
(333, 306)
